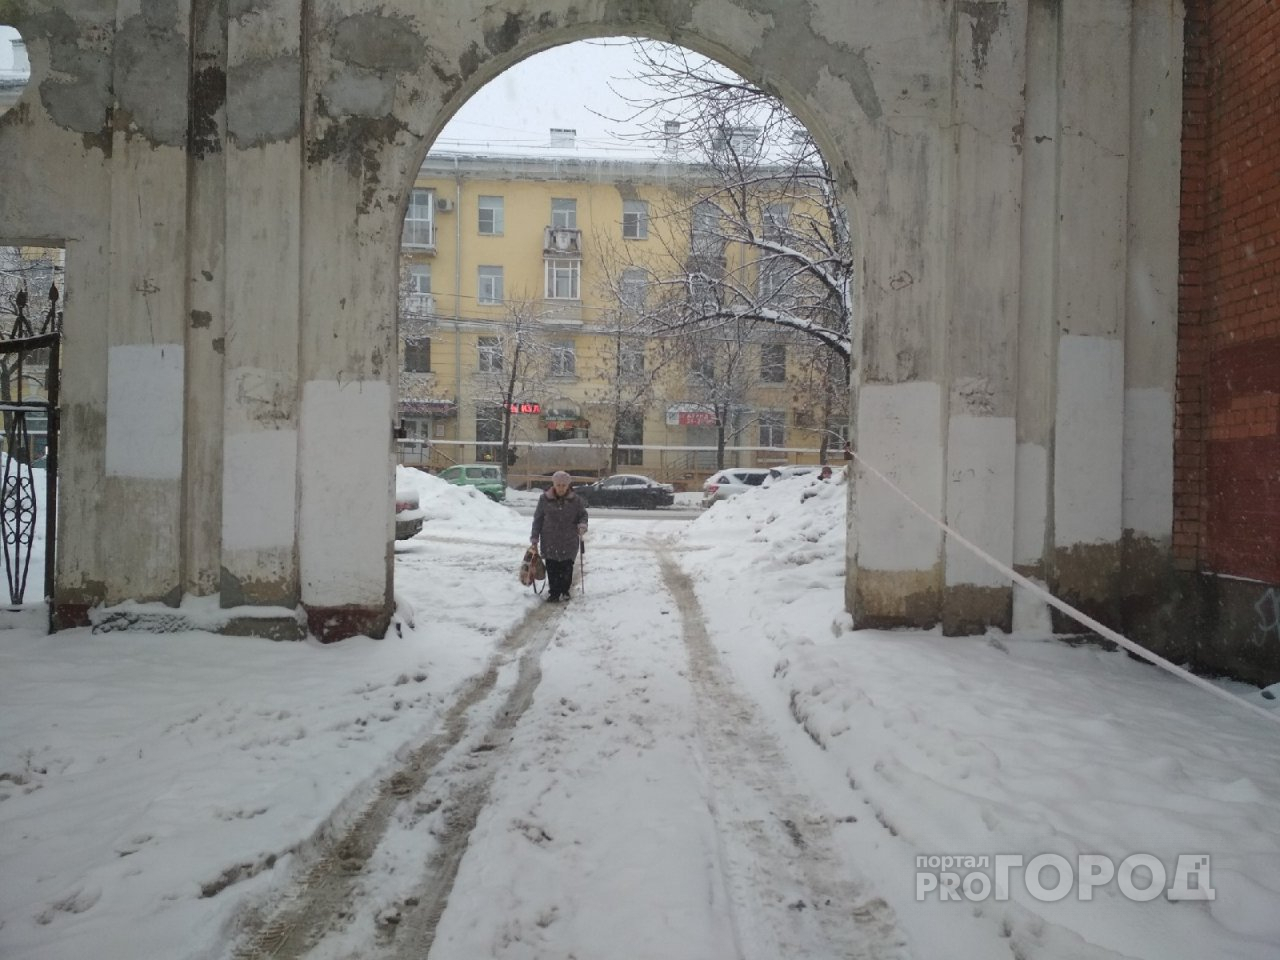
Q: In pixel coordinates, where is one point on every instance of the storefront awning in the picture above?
(690, 415)
(570, 423)
(427, 408)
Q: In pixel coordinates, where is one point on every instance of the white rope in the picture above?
(1071, 611)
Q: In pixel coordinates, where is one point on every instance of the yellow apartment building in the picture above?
(521, 278)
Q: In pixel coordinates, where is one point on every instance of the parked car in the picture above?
(543, 481)
(783, 473)
(485, 477)
(724, 484)
(408, 514)
(627, 490)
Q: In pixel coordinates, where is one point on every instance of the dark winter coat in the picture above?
(556, 521)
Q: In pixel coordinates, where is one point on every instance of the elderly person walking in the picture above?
(560, 521)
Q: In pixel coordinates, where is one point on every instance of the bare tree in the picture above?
(515, 361)
(767, 232)
(719, 375)
(820, 395)
(633, 363)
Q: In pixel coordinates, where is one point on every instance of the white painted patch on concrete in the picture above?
(980, 500)
(260, 500)
(1088, 441)
(1031, 503)
(900, 434)
(144, 411)
(1148, 462)
(345, 469)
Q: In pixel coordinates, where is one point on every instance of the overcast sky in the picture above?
(6, 48)
(575, 86)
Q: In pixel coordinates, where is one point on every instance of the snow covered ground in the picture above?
(694, 758)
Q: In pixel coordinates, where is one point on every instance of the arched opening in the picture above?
(15, 67)
(619, 254)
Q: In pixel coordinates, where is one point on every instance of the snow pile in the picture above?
(989, 745)
(453, 505)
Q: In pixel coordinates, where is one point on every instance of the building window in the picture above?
(417, 355)
(489, 285)
(564, 361)
(631, 433)
(702, 295)
(632, 288)
(635, 219)
(773, 362)
(488, 431)
(776, 218)
(418, 300)
(702, 366)
(772, 429)
(37, 434)
(631, 358)
(564, 214)
(564, 279)
(419, 278)
(705, 230)
(837, 432)
(420, 220)
(491, 216)
(416, 428)
(490, 350)
(772, 275)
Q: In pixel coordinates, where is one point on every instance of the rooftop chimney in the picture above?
(20, 62)
(671, 133)
(563, 137)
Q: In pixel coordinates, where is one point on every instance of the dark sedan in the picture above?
(627, 490)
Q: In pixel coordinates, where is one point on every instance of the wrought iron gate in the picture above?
(29, 372)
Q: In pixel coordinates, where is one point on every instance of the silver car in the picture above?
(730, 482)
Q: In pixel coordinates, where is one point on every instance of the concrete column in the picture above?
(1151, 309)
(348, 360)
(987, 130)
(895, 570)
(79, 578)
(355, 185)
(1090, 296)
(1037, 299)
(146, 299)
(262, 270)
(206, 314)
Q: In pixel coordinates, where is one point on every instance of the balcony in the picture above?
(419, 235)
(419, 305)
(561, 242)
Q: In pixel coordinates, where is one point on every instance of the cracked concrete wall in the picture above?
(242, 241)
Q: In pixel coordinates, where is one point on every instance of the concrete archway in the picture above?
(234, 401)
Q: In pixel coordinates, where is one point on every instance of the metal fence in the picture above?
(30, 362)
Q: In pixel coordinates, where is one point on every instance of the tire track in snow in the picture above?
(793, 895)
(319, 903)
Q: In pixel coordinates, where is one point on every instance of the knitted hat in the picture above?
(561, 477)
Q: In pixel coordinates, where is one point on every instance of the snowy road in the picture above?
(603, 775)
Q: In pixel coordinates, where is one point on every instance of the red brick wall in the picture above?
(1227, 440)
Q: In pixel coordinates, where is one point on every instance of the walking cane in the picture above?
(582, 565)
